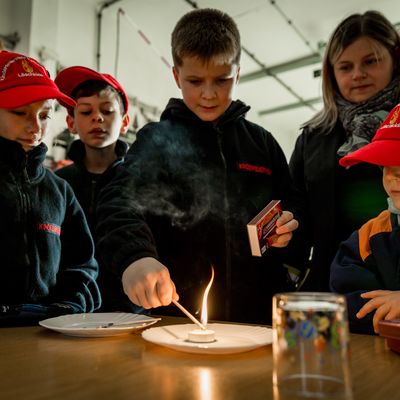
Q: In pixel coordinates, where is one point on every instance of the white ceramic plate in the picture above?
(229, 338)
(98, 324)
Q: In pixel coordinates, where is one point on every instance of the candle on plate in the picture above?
(203, 335)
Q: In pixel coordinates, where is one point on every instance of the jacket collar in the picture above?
(12, 153)
(77, 151)
(176, 108)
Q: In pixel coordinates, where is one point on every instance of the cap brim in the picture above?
(22, 95)
(385, 153)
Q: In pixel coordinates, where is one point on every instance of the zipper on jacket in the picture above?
(228, 257)
(92, 205)
(25, 208)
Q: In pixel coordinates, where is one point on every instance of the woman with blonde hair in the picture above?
(360, 85)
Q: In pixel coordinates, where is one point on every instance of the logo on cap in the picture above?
(394, 116)
(26, 66)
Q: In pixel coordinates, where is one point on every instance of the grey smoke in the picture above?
(170, 179)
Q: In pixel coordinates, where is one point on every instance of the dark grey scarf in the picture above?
(361, 120)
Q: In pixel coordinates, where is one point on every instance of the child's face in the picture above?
(207, 88)
(26, 125)
(98, 119)
(391, 183)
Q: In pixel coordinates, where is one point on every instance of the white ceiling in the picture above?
(266, 34)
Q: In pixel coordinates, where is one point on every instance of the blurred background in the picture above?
(283, 42)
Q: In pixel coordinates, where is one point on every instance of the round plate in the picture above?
(229, 338)
(98, 324)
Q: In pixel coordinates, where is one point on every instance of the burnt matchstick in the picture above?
(187, 313)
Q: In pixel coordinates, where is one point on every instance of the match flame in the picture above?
(204, 313)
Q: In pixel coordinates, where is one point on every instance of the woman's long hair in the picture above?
(371, 24)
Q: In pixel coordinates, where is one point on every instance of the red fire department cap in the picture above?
(69, 78)
(384, 148)
(24, 81)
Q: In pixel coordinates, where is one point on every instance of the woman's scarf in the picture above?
(361, 120)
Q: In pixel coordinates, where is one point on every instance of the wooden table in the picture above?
(36, 363)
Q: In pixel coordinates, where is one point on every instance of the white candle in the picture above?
(201, 336)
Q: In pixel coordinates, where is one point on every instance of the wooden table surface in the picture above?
(36, 363)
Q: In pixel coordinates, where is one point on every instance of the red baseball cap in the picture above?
(24, 81)
(69, 78)
(384, 149)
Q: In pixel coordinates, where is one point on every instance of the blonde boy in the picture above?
(47, 251)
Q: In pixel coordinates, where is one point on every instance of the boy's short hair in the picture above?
(205, 33)
(24, 81)
(81, 82)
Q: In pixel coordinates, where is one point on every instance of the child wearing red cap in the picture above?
(48, 265)
(367, 265)
(99, 118)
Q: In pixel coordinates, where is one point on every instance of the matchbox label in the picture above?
(262, 228)
(266, 230)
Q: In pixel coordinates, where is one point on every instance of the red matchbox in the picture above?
(262, 227)
(391, 331)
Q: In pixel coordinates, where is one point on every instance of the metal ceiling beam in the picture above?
(290, 106)
(283, 67)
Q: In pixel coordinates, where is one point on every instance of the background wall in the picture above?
(130, 38)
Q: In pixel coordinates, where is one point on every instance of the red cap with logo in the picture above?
(384, 149)
(69, 78)
(24, 81)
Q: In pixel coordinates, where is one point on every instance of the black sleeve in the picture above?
(122, 233)
(351, 276)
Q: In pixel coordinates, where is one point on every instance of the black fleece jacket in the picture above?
(46, 246)
(86, 185)
(184, 196)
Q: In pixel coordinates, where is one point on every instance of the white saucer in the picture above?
(98, 324)
(230, 338)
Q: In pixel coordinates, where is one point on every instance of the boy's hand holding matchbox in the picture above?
(262, 227)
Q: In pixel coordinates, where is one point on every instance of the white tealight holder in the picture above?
(201, 336)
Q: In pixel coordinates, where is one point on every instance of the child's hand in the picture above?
(385, 302)
(285, 225)
(147, 283)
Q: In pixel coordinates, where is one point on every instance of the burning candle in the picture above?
(203, 335)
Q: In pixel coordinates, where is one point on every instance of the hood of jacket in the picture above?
(77, 151)
(176, 108)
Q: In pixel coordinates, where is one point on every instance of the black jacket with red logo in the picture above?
(184, 196)
(47, 250)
